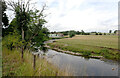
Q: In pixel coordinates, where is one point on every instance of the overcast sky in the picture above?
(87, 15)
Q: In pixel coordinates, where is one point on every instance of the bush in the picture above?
(71, 34)
(11, 41)
(100, 33)
(104, 33)
(104, 51)
(86, 53)
(96, 33)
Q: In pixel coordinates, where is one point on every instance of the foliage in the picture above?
(4, 18)
(115, 31)
(110, 31)
(71, 33)
(12, 41)
(65, 32)
(100, 33)
(104, 51)
(86, 33)
(82, 32)
(29, 25)
(96, 33)
(39, 33)
(86, 53)
(78, 33)
(104, 33)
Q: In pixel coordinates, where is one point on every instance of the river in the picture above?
(80, 66)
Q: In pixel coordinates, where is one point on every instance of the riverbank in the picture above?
(14, 66)
(92, 46)
(73, 53)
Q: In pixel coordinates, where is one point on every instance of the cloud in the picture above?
(92, 15)
(88, 15)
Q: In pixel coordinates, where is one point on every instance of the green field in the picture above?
(105, 45)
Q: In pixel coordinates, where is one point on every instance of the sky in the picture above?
(87, 15)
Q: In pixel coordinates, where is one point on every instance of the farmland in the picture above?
(105, 45)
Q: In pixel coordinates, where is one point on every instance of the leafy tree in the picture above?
(96, 33)
(5, 20)
(10, 29)
(22, 17)
(104, 33)
(4, 15)
(82, 32)
(110, 31)
(11, 40)
(100, 33)
(78, 33)
(87, 33)
(71, 33)
(30, 25)
(39, 33)
(65, 32)
(115, 31)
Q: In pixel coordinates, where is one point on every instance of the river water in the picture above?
(80, 66)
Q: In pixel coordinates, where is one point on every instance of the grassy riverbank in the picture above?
(90, 45)
(14, 66)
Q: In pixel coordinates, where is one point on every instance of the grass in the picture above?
(90, 44)
(14, 66)
(0, 59)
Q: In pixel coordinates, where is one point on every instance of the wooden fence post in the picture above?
(34, 62)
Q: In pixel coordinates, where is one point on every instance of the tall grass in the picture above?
(0, 59)
(14, 66)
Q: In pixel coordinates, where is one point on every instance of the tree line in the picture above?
(72, 33)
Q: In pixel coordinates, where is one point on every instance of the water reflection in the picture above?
(81, 66)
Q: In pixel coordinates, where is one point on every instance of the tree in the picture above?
(100, 33)
(65, 32)
(96, 33)
(5, 20)
(115, 31)
(110, 31)
(10, 29)
(82, 32)
(30, 25)
(104, 33)
(78, 33)
(71, 33)
(86, 33)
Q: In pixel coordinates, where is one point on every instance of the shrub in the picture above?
(96, 33)
(11, 41)
(104, 33)
(71, 34)
(86, 53)
(104, 51)
(100, 33)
